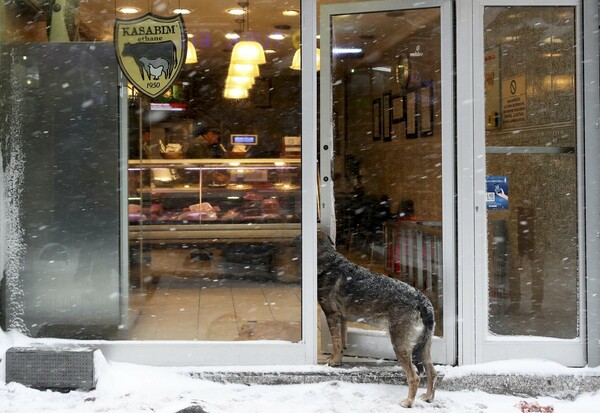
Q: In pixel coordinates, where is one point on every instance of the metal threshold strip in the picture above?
(530, 149)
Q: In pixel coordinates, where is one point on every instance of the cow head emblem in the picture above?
(151, 51)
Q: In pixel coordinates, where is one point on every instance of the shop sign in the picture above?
(151, 51)
(496, 192)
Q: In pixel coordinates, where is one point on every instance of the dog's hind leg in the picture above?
(429, 372)
(412, 377)
(335, 322)
(403, 344)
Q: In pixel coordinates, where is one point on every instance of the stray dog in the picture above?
(348, 292)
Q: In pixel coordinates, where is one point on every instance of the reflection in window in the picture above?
(531, 144)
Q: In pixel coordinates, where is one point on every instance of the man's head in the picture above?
(212, 135)
(146, 136)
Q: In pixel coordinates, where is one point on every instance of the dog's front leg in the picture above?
(334, 321)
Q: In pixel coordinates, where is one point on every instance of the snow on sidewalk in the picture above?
(132, 388)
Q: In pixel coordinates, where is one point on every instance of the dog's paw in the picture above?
(407, 403)
(334, 361)
(427, 398)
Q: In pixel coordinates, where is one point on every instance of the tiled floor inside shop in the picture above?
(186, 300)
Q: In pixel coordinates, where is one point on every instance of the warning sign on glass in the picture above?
(514, 101)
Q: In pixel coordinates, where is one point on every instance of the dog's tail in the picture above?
(428, 319)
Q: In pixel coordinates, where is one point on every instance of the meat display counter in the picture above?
(203, 200)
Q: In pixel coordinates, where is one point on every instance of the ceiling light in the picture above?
(236, 11)
(128, 10)
(385, 69)
(297, 60)
(232, 36)
(191, 56)
(181, 11)
(270, 51)
(235, 93)
(239, 81)
(346, 50)
(291, 12)
(237, 69)
(558, 82)
(552, 40)
(245, 58)
(248, 52)
(276, 36)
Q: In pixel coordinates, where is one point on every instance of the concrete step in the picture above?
(567, 384)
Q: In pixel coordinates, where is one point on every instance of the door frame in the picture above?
(591, 108)
(571, 352)
(374, 343)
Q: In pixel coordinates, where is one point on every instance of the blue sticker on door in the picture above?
(496, 192)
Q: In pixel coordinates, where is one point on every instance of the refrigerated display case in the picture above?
(247, 210)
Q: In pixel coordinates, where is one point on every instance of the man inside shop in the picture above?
(150, 150)
(206, 145)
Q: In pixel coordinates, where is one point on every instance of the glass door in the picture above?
(529, 182)
(387, 152)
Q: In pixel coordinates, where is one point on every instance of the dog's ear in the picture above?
(323, 237)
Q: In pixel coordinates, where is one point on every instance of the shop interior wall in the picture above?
(400, 168)
(206, 105)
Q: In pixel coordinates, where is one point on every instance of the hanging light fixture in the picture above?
(240, 81)
(247, 51)
(237, 69)
(297, 60)
(245, 58)
(235, 93)
(191, 56)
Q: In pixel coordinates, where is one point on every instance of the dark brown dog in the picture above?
(348, 292)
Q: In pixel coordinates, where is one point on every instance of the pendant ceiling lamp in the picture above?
(237, 69)
(240, 81)
(297, 60)
(245, 58)
(191, 56)
(235, 93)
(247, 51)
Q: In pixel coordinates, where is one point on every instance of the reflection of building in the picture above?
(411, 125)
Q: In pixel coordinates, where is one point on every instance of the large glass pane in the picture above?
(386, 77)
(531, 168)
(63, 196)
(210, 251)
